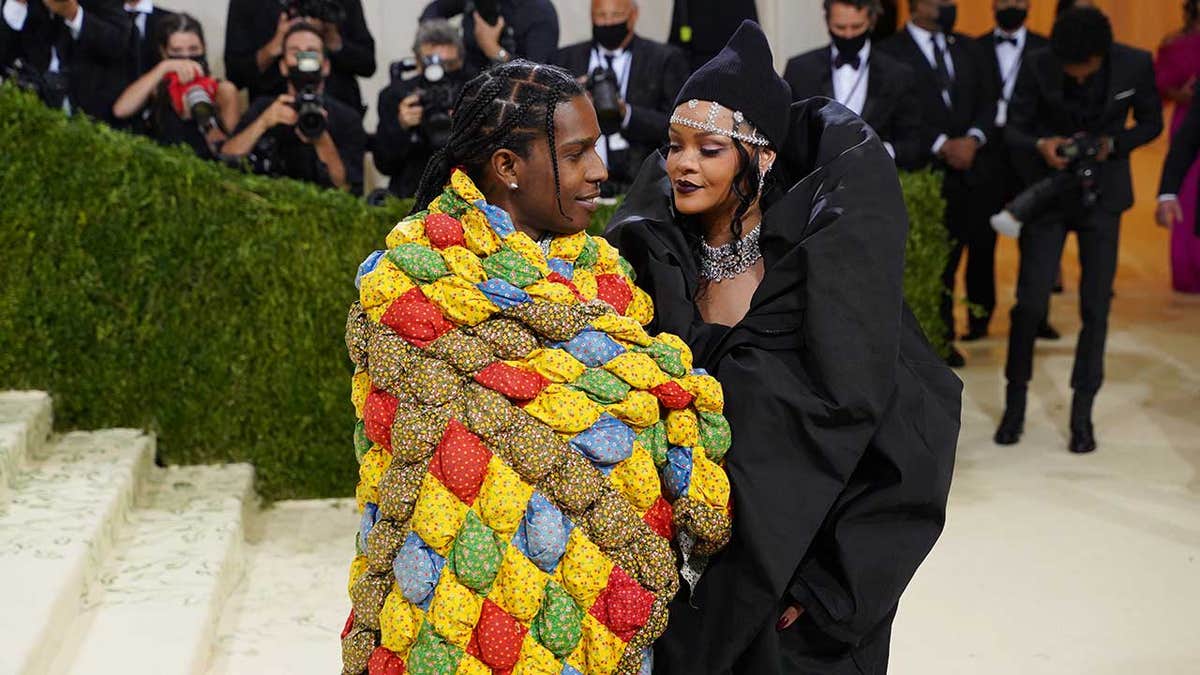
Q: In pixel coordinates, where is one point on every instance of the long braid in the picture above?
(501, 108)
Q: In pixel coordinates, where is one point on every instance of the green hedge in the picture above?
(146, 288)
(927, 251)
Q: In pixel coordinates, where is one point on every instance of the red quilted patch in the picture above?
(557, 278)
(513, 382)
(623, 606)
(349, 625)
(416, 319)
(660, 518)
(612, 289)
(383, 661)
(378, 414)
(460, 462)
(672, 395)
(444, 231)
(497, 638)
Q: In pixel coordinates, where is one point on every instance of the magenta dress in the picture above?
(1179, 61)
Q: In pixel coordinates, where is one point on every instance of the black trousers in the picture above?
(1041, 249)
(968, 221)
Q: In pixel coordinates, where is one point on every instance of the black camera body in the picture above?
(606, 98)
(329, 11)
(1082, 152)
(51, 88)
(306, 77)
(439, 91)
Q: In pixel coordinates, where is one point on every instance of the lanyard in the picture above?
(1012, 73)
(862, 76)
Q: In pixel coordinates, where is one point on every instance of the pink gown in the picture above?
(1178, 62)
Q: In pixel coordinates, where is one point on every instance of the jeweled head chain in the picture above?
(710, 124)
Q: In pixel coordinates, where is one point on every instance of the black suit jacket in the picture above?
(398, 153)
(251, 24)
(145, 48)
(1038, 110)
(891, 108)
(995, 159)
(971, 105)
(96, 63)
(1185, 146)
(656, 74)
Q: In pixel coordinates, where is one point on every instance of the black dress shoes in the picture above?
(955, 358)
(1047, 332)
(1012, 425)
(1083, 438)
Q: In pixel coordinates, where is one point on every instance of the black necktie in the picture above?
(943, 70)
(1001, 39)
(851, 60)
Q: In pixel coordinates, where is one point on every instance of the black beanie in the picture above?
(742, 78)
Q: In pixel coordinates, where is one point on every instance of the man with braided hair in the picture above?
(530, 458)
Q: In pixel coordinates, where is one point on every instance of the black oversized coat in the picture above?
(845, 421)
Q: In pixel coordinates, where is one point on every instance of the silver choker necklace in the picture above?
(718, 263)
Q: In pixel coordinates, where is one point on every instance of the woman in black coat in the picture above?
(844, 420)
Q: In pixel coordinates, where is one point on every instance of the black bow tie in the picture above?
(851, 60)
(1000, 39)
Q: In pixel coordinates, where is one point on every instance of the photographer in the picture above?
(413, 113)
(254, 44)
(632, 82)
(495, 31)
(1069, 114)
(74, 50)
(185, 103)
(291, 135)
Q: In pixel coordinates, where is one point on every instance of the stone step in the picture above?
(62, 514)
(160, 592)
(25, 421)
(287, 614)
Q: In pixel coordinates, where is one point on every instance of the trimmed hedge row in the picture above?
(146, 288)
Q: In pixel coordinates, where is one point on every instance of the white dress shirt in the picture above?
(1009, 58)
(925, 41)
(140, 10)
(622, 61)
(850, 85)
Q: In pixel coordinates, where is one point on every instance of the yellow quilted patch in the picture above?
(639, 370)
(480, 238)
(529, 250)
(555, 365)
(374, 464)
(536, 659)
(454, 610)
(709, 483)
(520, 586)
(469, 665)
(599, 650)
(503, 498)
(637, 479)
(585, 283)
(399, 622)
(383, 284)
(584, 569)
(548, 291)
(624, 328)
(639, 409)
(437, 515)
(606, 262)
(641, 308)
(683, 428)
(360, 387)
(466, 189)
(685, 352)
(407, 231)
(465, 264)
(461, 302)
(358, 567)
(564, 410)
(569, 247)
(707, 392)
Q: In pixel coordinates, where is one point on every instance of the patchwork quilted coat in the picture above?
(534, 467)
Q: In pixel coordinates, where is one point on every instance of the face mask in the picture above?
(850, 46)
(610, 37)
(947, 17)
(1010, 18)
(202, 60)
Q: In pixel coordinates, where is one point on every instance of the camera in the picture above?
(1083, 168)
(439, 92)
(51, 88)
(329, 11)
(196, 97)
(606, 97)
(306, 77)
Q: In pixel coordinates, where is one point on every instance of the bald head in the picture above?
(608, 12)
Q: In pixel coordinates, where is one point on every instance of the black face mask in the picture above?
(947, 17)
(610, 37)
(850, 46)
(1010, 18)
(203, 61)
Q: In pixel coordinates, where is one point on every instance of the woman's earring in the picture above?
(512, 186)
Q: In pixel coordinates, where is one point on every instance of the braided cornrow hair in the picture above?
(507, 106)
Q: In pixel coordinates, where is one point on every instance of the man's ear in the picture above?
(507, 166)
(326, 65)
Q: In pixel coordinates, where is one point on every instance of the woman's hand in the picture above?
(185, 69)
(789, 617)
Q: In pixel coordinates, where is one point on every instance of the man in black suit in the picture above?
(146, 18)
(1185, 147)
(82, 43)
(1002, 49)
(874, 85)
(957, 114)
(648, 76)
(526, 29)
(1084, 84)
(254, 45)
